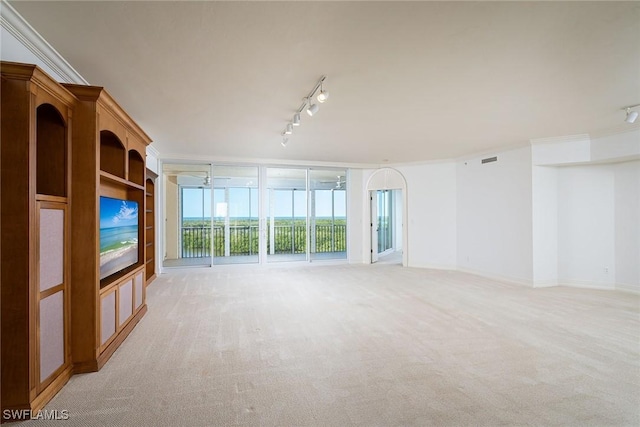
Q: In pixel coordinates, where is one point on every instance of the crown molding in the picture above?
(18, 27)
(493, 151)
(617, 130)
(181, 158)
(152, 151)
(560, 139)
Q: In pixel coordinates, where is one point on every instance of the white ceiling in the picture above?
(410, 81)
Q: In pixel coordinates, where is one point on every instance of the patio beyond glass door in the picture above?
(328, 214)
(287, 214)
(236, 234)
(385, 220)
(186, 225)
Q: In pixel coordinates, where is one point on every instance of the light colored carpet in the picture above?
(365, 345)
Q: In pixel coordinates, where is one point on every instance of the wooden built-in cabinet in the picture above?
(36, 134)
(108, 159)
(150, 227)
(62, 147)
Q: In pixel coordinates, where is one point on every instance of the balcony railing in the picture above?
(244, 240)
(196, 242)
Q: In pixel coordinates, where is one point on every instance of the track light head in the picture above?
(296, 119)
(284, 142)
(631, 116)
(289, 129)
(323, 96)
(312, 109)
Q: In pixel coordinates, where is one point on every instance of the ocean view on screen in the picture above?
(118, 235)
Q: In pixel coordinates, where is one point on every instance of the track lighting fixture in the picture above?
(307, 106)
(323, 95)
(312, 109)
(631, 115)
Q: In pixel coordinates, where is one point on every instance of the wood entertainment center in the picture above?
(64, 146)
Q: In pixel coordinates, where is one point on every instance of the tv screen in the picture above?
(118, 235)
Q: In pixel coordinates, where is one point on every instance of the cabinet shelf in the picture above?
(150, 233)
(119, 180)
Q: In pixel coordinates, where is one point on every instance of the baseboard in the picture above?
(52, 389)
(434, 266)
(150, 279)
(587, 285)
(85, 367)
(520, 282)
(624, 287)
(543, 284)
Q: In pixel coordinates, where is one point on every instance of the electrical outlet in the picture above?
(606, 270)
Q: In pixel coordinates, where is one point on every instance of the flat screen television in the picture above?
(118, 235)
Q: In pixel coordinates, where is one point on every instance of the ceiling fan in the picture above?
(206, 179)
(339, 182)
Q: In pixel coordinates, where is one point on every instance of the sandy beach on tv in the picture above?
(113, 260)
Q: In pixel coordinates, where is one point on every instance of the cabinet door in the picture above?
(52, 319)
(125, 301)
(107, 317)
(139, 291)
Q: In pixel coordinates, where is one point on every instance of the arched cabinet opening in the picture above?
(136, 167)
(112, 154)
(51, 152)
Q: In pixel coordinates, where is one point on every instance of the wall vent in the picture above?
(489, 160)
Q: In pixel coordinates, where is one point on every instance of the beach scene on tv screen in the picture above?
(118, 235)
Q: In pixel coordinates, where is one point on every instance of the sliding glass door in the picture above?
(227, 214)
(328, 214)
(236, 233)
(287, 214)
(187, 215)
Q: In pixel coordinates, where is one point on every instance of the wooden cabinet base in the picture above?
(113, 346)
(150, 279)
(25, 412)
(96, 365)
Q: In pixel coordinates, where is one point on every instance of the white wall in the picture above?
(494, 211)
(586, 213)
(355, 207)
(545, 225)
(431, 209)
(627, 220)
(171, 217)
(586, 226)
(152, 160)
(397, 219)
